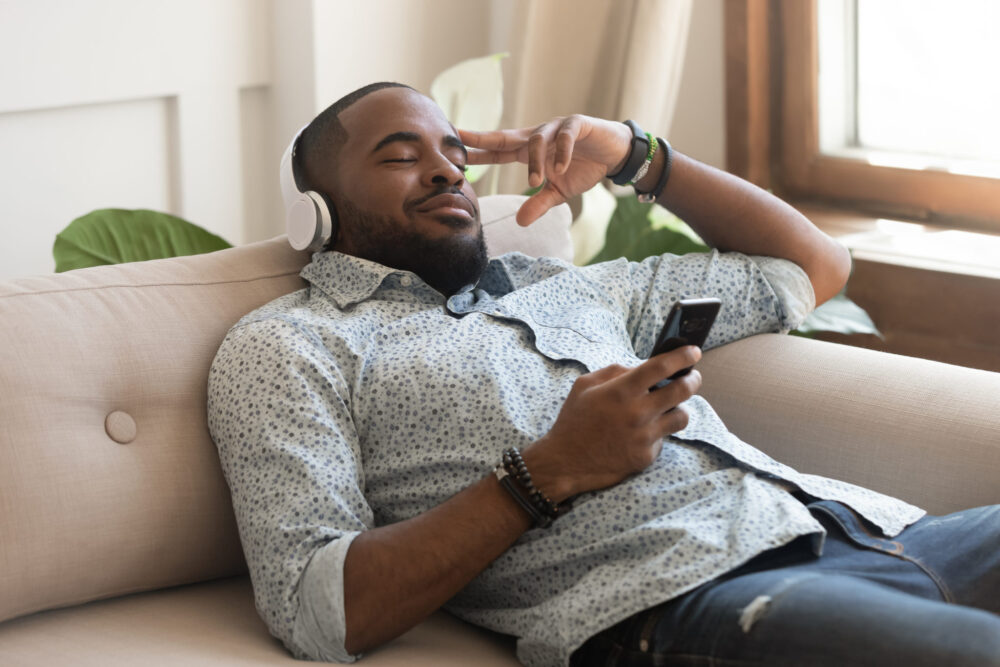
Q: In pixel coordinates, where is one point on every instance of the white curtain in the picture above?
(614, 59)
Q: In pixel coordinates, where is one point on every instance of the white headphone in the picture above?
(308, 217)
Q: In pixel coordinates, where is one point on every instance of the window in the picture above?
(884, 106)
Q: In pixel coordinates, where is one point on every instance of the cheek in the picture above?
(386, 195)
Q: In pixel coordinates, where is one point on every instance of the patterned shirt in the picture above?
(368, 398)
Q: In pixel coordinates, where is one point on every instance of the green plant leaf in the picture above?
(116, 236)
(633, 236)
(471, 95)
(660, 217)
(839, 315)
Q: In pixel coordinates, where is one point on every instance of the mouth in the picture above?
(449, 204)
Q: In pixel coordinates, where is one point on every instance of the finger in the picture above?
(538, 203)
(673, 421)
(662, 366)
(679, 390)
(537, 147)
(497, 140)
(602, 375)
(480, 156)
(565, 141)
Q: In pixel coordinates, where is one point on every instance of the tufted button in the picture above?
(406, 281)
(120, 427)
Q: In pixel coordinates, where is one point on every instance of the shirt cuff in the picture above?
(321, 625)
(792, 287)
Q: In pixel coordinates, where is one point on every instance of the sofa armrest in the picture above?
(923, 431)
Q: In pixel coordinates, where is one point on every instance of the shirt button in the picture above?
(406, 281)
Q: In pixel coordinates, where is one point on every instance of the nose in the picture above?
(443, 171)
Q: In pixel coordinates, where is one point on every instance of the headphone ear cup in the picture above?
(331, 211)
(302, 222)
(309, 222)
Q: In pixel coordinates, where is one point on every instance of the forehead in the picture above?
(390, 110)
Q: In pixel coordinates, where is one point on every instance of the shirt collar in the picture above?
(344, 278)
(348, 280)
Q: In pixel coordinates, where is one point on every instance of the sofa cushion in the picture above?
(109, 481)
(215, 624)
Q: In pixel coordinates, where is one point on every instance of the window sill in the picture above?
(934, 293)
(914, 245)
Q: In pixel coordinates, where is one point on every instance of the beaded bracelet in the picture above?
(507, 481)
(661, 182)
(653, 143)
(542, 509)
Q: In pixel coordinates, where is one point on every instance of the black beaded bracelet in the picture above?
(507, 482)
(541, 505)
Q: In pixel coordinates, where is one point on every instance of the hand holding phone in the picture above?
(688, 323)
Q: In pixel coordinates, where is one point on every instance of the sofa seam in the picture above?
(165, 284)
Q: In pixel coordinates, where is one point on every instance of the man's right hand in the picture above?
(612, 425)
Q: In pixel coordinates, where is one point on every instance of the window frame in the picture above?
(772, 126)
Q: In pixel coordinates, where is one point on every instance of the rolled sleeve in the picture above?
(279, 412)
(320, 630)
(792, 288)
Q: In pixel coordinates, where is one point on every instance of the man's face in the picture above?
(400, 190)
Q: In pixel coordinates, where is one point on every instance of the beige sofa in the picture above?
(117, 539)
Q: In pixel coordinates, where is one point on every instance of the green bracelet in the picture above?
(649, 160)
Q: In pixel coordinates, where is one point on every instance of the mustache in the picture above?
(449, 190)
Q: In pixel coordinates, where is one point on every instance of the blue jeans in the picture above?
(929, 597)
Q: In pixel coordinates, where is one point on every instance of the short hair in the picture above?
(323, 138)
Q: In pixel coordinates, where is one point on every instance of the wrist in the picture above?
(624, 147)
(548, 472)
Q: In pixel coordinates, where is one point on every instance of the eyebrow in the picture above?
(449, 140)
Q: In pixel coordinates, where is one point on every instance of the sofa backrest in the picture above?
(109, 481)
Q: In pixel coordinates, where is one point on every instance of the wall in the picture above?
(186, 106)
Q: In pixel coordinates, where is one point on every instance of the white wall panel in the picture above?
(60, 164)
(210, 191)
(62, 52)
(195, 56)
(263, 213)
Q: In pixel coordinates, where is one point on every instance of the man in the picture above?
(365, 427)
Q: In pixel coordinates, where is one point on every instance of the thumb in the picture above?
(538, 203)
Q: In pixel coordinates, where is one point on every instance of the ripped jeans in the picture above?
(930, 597)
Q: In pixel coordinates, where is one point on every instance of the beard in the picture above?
(447, 264)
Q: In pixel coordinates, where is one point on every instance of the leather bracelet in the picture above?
(637, 155)
(507, 482)
(661, 182)
(516, 469)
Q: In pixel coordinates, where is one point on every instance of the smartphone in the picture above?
(688, 323)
